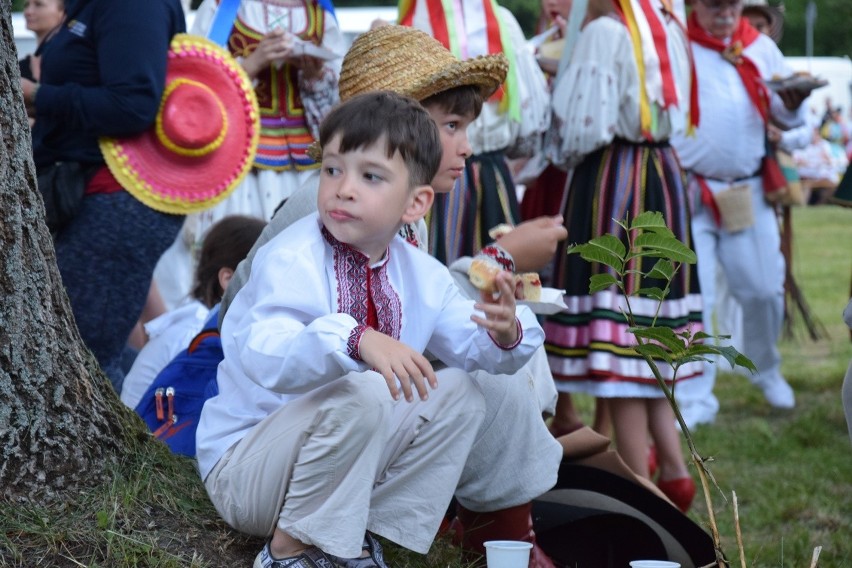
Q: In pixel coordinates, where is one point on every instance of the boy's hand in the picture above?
(533, 243)
(499, 312)
(396, 361)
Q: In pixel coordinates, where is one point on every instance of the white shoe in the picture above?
(778, 392)
(697, 412)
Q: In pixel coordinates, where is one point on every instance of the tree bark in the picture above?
(60, 420)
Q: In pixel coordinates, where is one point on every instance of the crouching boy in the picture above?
(309, 440)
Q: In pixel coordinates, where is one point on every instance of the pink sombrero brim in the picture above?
(173, 183)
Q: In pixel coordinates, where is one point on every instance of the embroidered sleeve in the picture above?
(353, 345)
(500, 255)
(319, 95)
(516, 342)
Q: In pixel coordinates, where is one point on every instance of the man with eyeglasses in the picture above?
(733, 223)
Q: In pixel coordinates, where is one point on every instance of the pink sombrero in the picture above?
(205, 136)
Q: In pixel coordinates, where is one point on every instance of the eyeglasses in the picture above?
(720, 5)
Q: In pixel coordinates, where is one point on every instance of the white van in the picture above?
(352, 22)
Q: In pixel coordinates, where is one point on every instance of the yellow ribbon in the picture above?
(644, 105)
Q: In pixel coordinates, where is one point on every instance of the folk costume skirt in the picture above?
(460, 220)
(589, 348)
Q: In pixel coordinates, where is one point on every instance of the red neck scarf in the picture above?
(743, 37)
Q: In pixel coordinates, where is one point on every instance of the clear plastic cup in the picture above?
(507, 553)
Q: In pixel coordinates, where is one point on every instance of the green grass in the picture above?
(153, 513)
(792, 471)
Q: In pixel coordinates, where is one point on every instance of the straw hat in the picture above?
(413, 63)
(775, 15)
(205, 136)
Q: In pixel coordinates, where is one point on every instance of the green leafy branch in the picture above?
(648, 237)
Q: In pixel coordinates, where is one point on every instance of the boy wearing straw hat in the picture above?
(514, 458)
(303, 441)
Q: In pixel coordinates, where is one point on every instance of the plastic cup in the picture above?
(507, 553)
(653, 564)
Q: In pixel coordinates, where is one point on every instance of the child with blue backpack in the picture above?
(166, 385)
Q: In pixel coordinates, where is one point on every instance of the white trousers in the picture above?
(346, 458)
(514, 458)
(753, 267)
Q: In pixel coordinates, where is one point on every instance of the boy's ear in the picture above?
(421, 201)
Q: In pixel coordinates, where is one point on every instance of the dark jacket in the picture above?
(102, 74)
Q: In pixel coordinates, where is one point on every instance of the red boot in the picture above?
(515, 523)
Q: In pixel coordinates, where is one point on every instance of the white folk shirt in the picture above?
(493, 129)
(289, 329)
(729, 141)
(596, 99)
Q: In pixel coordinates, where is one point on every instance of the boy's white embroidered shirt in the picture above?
(284, 335)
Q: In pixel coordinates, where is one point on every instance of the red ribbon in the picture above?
(707, 199)
(658, 32)
(745, 35)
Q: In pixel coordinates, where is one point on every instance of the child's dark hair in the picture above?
(465, 100)
(406, 126)
(227, 243)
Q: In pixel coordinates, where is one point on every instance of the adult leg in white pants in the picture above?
(695, 398)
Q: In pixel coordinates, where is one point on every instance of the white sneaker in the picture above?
(778, 392)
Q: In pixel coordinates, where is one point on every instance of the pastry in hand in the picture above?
(482, 274)
(530, 286)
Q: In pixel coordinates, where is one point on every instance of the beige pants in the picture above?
(346, 458)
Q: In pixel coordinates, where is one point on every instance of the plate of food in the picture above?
(528, 288)
(800, 81)
(550, 302)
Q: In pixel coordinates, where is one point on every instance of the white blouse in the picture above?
(597, 98)
(494, 130)
(266, 16)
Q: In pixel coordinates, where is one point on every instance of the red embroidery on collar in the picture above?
(359, 285)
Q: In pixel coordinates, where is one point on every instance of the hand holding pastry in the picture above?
(499, 320)
(483, 275)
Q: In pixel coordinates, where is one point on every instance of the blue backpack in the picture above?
(171, 407)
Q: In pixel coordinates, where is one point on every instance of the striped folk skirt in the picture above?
(588, 345)
(460, 220)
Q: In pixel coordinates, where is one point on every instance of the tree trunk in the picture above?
(60, 420)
